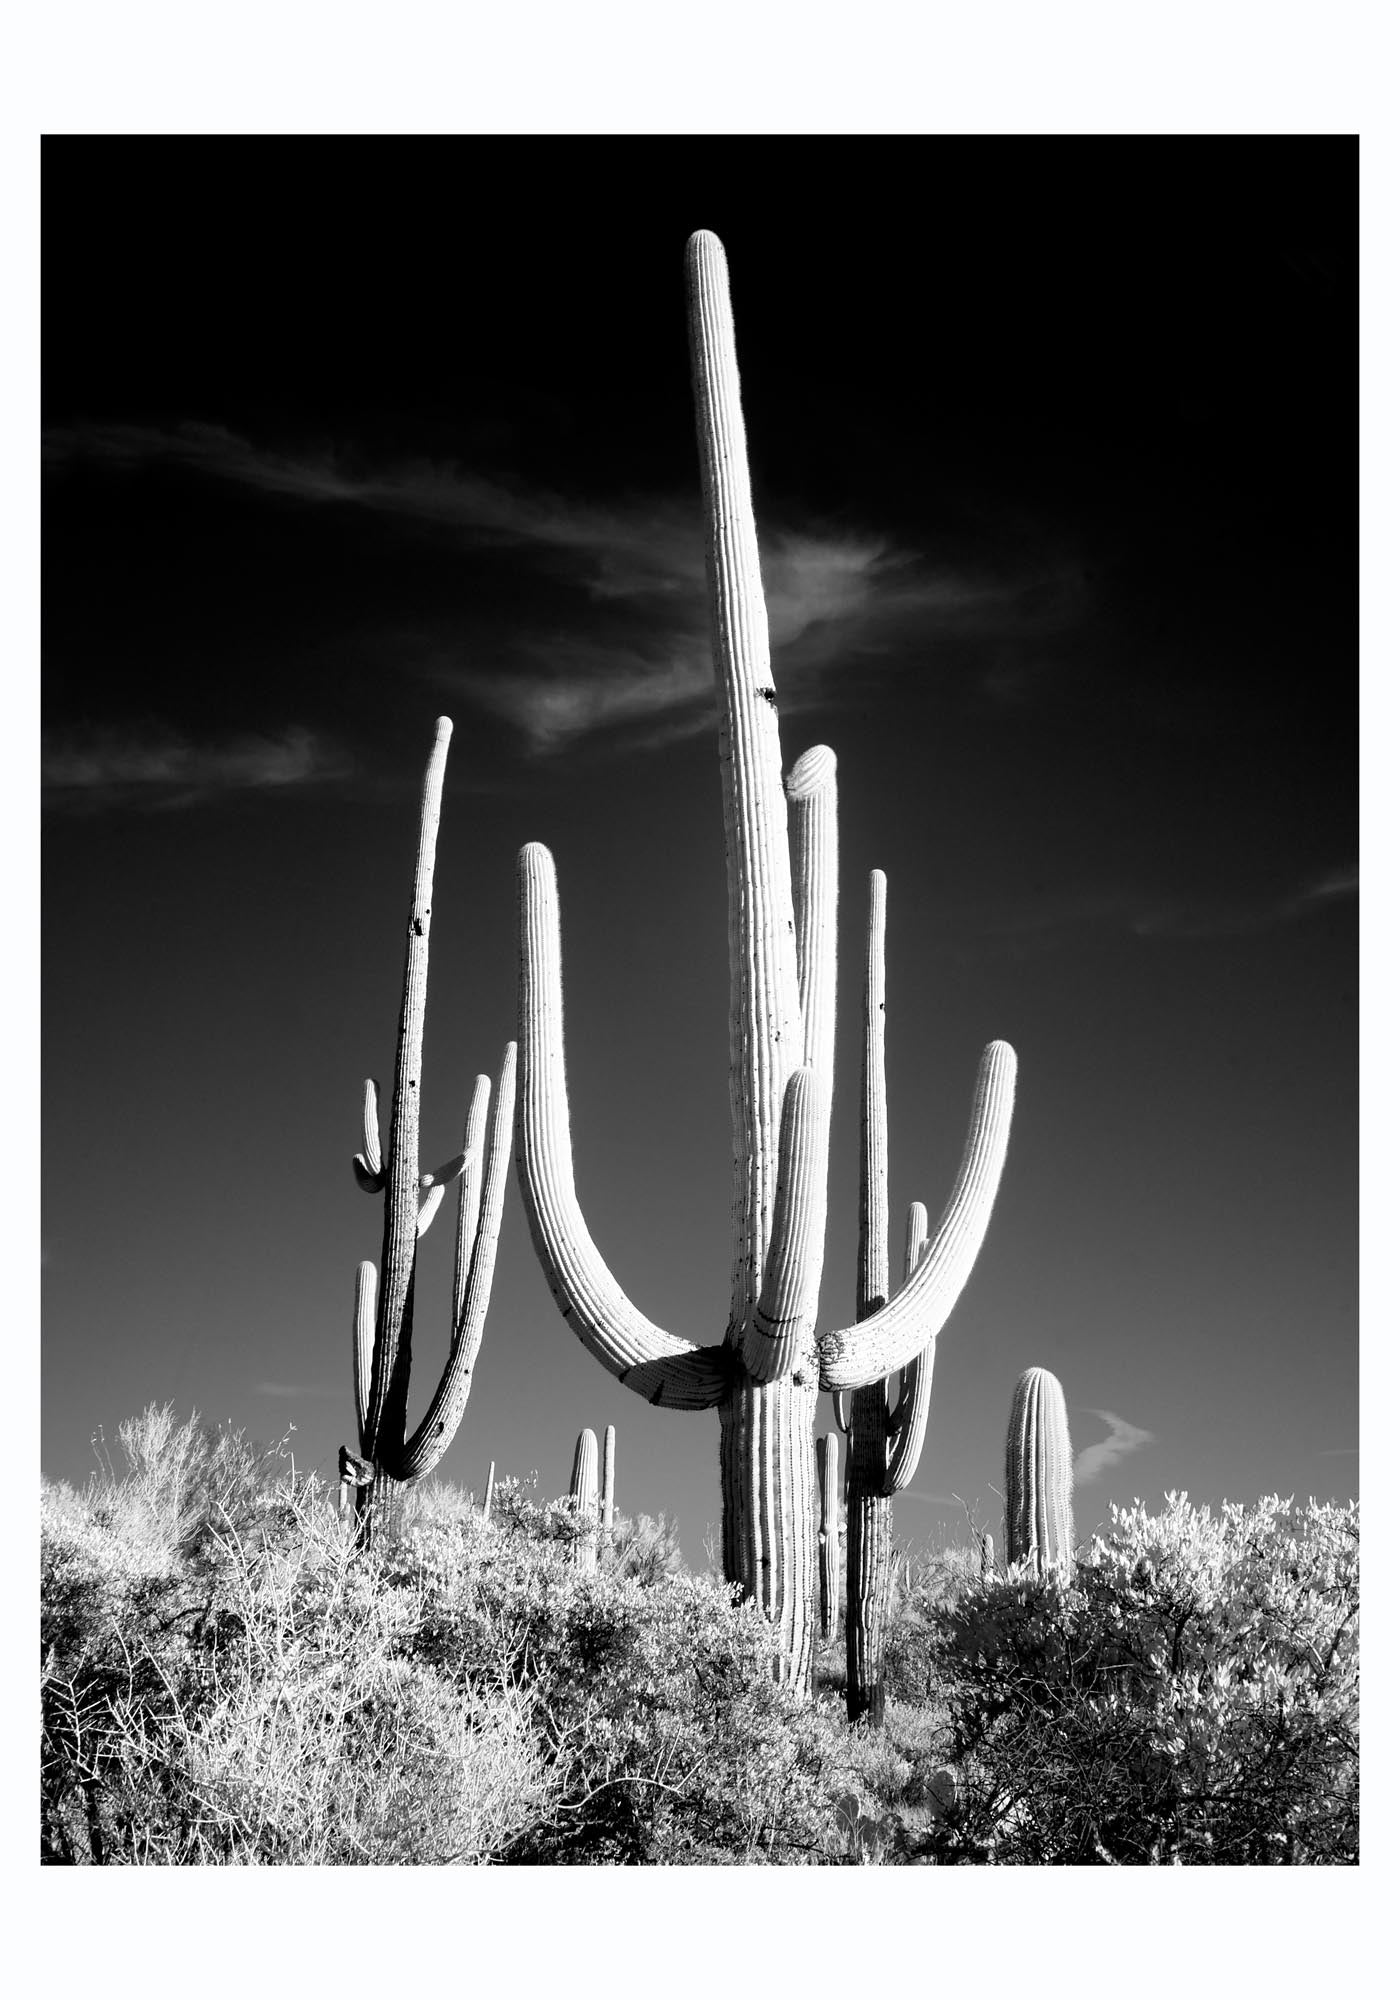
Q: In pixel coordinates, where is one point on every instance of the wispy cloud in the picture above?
(1122, 1439)
(1049, 919)
(163, 768)
(841, 602)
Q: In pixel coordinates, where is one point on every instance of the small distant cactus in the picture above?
(989, 1557)
(609, 1468)
(490, 1492)
(583, 1491)
(829, 1535)
(1039, 1473)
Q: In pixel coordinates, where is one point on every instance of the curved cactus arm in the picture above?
(792, 1273)
(366, 1291)
(469, 1188)
(873, 1279)
(428, 1208)
(444, 1413)
(854, 1355)
(369, 1165)
(909, 1421)
(444, 1175)
(656, 1364)
(403, 1223)
(765, 1024)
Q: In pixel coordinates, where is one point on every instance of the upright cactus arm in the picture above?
(472, 1289)
(792, 1272)
(469, 1187)
(873, 1278)
(765, 1024)
(366, 1294)
(369, 1165)
(666, 1370)
(854, 1355)
(909, 1420)
(388, 1382)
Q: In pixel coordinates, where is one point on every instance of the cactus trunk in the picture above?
(829, 1533)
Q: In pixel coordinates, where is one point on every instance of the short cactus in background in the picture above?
(583, 1492)
(829, 1533)
(989, 1557)
(490, 1492)
(764, 1374)
(609, 1471)
(1039, 1474)
(383, 1322)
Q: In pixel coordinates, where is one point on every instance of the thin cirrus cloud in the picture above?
(1122, 1439)
(632, 651)
(1050, 920)
(162, 768)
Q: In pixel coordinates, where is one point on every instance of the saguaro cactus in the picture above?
(583, 1491)
(1039, 1474)
(490, 1492)
(609, 1468)
(383, 1322)
(763, 1377)
(889, 1419)
(829, 1532)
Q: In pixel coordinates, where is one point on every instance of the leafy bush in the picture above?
(1190, 1695)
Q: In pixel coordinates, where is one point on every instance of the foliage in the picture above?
(1191, 1695)
(226, 1679)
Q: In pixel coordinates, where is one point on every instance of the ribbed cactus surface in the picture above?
(763, 1376)
(382, 1341)
(583, 1491)
(1039, 1475)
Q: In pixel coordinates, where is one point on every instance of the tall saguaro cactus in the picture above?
(383, 1323)
(888, 1419)
(764, 1376)
(1039, 1475)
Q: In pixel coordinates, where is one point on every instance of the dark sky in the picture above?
(1054, 455)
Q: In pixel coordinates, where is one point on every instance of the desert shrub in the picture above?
(646, 1547)
(668, 1738)
(264, 1705)
(1189, 1695)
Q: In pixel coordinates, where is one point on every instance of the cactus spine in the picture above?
(583, 1492)
(888, 1420)
(383, 1318)
(1039, 1474)
(763, 1377)
(829, 1533)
